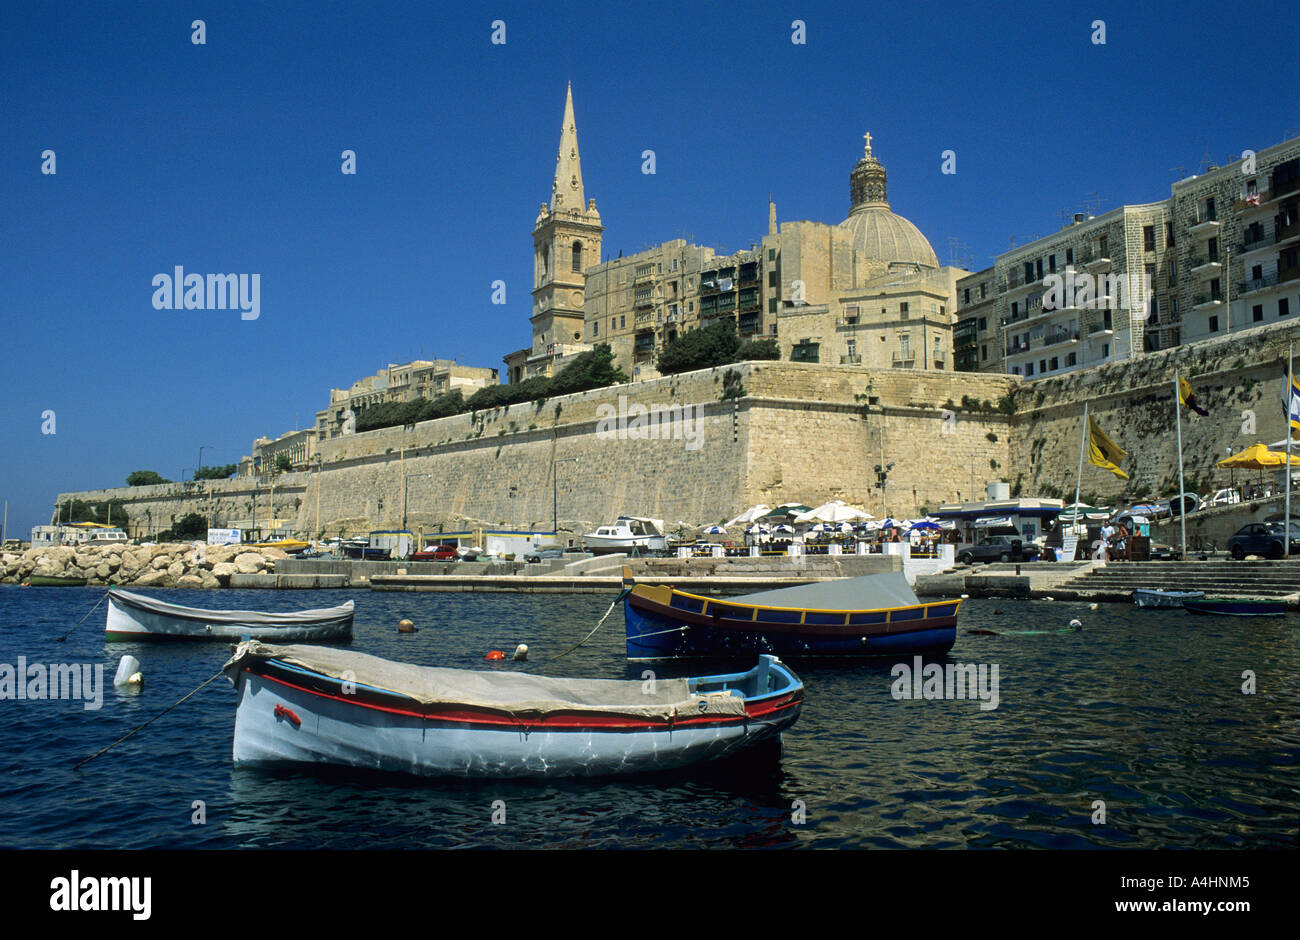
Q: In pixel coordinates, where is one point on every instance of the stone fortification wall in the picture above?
(804, 433)
(1239, 379)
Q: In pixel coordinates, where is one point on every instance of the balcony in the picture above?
(851, 359)
(643, 277)
(1256, 284)
(903, 358)
(1202, 224)
(1098, 263)
(644, 319)
(847, 321)
(1258, 243)
(1206, 301)
(1060, 339)
(1202, 266)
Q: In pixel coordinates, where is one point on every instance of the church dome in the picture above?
(878, 234)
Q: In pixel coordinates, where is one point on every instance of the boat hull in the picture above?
(130, 620)
(1236, 608)
(663, 623)
(288, 717)
(43, 580)
(1164, 599)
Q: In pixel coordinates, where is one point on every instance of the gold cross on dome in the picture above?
(867, 138)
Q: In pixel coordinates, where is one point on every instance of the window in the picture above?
(674, 267)
(902, 310)
(1042, 365)
(1214, 324)
(1070, 360)
(1015, 310)
(595, 329)
(983, 324)
(805, 352)
(1210, 214)
(1039, 267)
(1105, 350)
(905, 344)
(1169, 234)
(1029, 369)
(1029, 271)
(622, 322)
(1149, 237)
(1069, 256)
(771, 279)
(1051, 263)
(1214, 249)
(660, 268)
(1257, 312)
(965, 296)
(1283, 306)
(690, 306)
(984, 352)
(577, 257)
(771, 305)
(771, 254)
(1054, 365)
(1102, 243)
(984, 291)
(546, 261)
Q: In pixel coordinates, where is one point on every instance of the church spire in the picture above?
(566, 191)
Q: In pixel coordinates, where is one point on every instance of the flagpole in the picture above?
(1290, 394)
(1178, 418)
(1078, 477)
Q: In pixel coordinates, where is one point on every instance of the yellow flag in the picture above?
(1103, 452)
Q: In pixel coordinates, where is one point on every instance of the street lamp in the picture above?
(201, 450)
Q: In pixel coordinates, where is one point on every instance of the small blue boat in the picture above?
(873, 615)
(1236, 607)
(1149, 597)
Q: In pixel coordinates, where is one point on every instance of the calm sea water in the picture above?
(1142, 709)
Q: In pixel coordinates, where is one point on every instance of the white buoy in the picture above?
(965, 597)
(521, 652)
(1075, 624)
(1049, 598)
(1092, 606)
(128, 671)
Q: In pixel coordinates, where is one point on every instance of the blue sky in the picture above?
(225, 158)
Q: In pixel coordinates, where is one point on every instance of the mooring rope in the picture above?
(60, 639)
(621, 594)
(212, 678)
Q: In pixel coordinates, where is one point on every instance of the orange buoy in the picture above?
(495, 654)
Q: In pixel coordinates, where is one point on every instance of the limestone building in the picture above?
(1220, 255)
(867, 291)
(399, 382)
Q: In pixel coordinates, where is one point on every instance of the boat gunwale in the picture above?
(806, 610)
(566, 721)
(202, 614)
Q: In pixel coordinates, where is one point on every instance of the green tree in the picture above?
(283, 463)
(758, 349)
(113, 512)
(592, 369)
(709, 346)
(145, 478)
(192, 526)
(223, 472)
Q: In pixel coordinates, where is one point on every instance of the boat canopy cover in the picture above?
(517, 693)
(153, 605)
(868, 592)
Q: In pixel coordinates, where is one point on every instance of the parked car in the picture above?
(436, 553)
(1224, 497)
(547, 551)
(1263, 538)
(998, 548)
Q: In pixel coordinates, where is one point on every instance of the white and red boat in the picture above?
(137, 617)
(332, 706)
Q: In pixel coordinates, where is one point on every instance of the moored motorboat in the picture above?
(1154, 597)
(632, 534)
(321, 705)
(1237, 607)
(872, 615)
(137, 617)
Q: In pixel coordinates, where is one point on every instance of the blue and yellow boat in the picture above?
(873, 615)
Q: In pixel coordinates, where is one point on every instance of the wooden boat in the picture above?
(1236, 607)
(323, 705)
(873, 615)
(1151, 597)
(46, 580)
(290, 546)
(136, 617)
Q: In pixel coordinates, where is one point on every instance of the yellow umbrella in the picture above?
(1259, 457)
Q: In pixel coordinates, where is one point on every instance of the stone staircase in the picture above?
(1117, 580)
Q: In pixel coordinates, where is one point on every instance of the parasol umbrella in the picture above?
(715, 530)
(784, 529)
(1259, 457)
(750, 514)
(926, 525)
